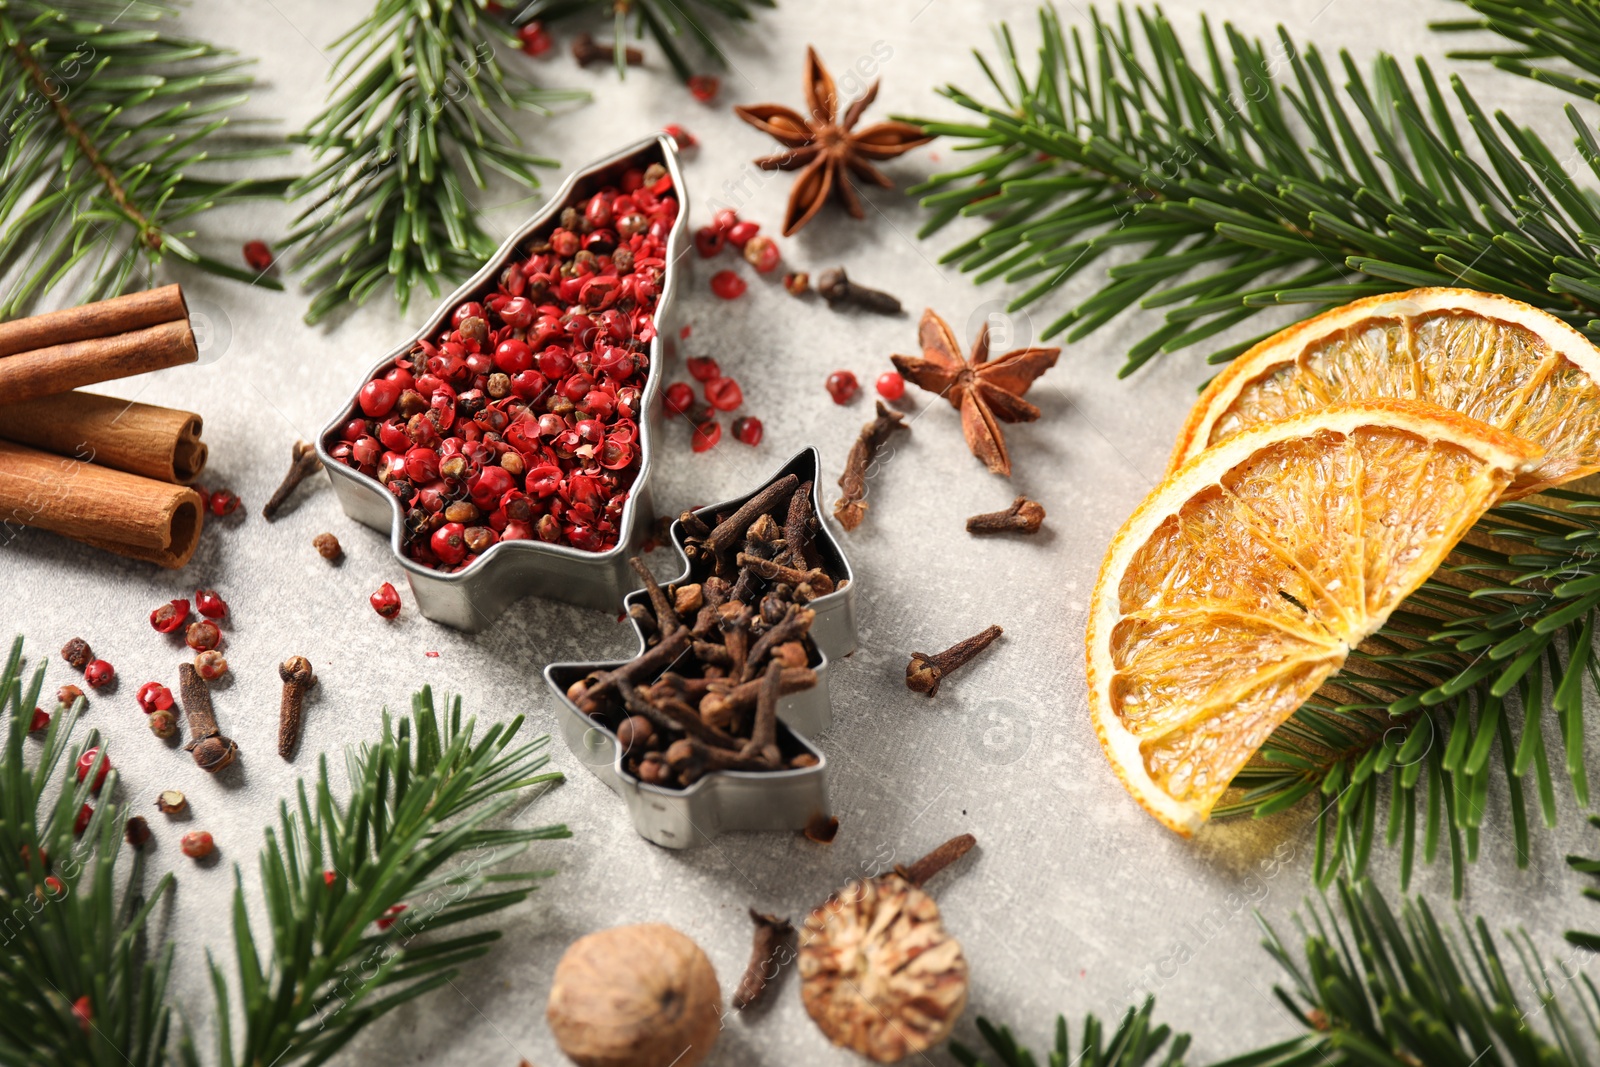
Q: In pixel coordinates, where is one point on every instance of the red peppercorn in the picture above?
(536, 40)
(81, 823)
(725, 220)
(708, 241)
(257, 255)
(706, 435)
(740, 233)
(223, 502)
(378, 396)
(842, 385)
(98, 673)
(386, 601)
(684, 138)
(153, 696)
(704, 87)
(329, 877)
(449, 544)
(762, 254)
(81, 1010)
(891, 386)
(678, 398)
(52, 883)
(169, 617)
(703, 368)
(197, 844)
(202, 636)
(210, 665)
(86, 762)
(390, 915)
(748, 430)
(724, 394)
(209, 604)
(469, 310)
(40, 720)
(727, 285)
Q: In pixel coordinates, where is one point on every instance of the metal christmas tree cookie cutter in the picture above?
(472, 598)
(730, 800)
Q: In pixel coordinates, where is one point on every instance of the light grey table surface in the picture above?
(1074, 899)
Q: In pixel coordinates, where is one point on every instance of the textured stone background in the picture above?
(1074, 895)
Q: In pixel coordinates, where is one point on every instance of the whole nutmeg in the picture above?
(635, 996)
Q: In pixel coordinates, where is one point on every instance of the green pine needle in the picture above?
(86, 936)
(404, 149)
(668, 22)
(1372, 988)
(1567, 31)
(116, 135)
(1247, 176)
(416, 834)
(430, 823)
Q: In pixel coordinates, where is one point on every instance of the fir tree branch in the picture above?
(63, 934)
(112, 130)
(416, 833)
(1375, 989)
(419, 117)
(1423, 704)
(1566, 31)
(1247, 180)
(667, 21)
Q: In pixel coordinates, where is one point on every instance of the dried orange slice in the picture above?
(1490, 357)
(1247, 576)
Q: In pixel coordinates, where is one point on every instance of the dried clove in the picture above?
(1023, 516)
(588, 692)
(763, 741)
(924, 672)
(674, 717)
(666, 615)
(769, 943)
(919, 872)
(838, 290)
(212, 751)
(728, 531)
(587, 50)
(692, 760)
(303, 462)
(297, 678)
(799, 529)
(851, 507)
(818, 579)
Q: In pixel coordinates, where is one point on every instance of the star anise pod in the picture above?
(985, 392)
(822, 145)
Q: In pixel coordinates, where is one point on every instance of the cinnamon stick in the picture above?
(156, 442)
(131, 516)
(121, 314)
(36, 372)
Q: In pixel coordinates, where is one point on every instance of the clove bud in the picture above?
(925, 672)
(587, 50)
(1023, 516)
(303, 462)
(771, 937)
(212, 751)
(851, 507)
(297, 678)
(838, 290)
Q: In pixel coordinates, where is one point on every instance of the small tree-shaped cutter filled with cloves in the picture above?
(685, 731)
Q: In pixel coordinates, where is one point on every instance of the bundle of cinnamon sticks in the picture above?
(103, 471)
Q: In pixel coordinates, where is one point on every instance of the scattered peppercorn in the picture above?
(724, 394)
(678, 398)
(762, 254)
(890, 385)
(163, 724)
(685, 139)
(535, 39)
(727, 285)
(748, 430)
(171, 802)
(209, 604)
(798, 283)
(153, 696)
(202, 636)
(386, 601)
(77, 653)
(258, 255)
(328, 547)
(706, 435)
(40, 720)
(168, 617)
(390, 915)
(68, 695)
(842, 386)
(210, 665)
(702, 368)
(223, 502)
(197, 844)
(98, 673)
(136, 832)
(86, 763)
(81, 823)
(704, 87)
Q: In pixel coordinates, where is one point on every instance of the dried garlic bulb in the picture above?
(879, 972)
(635, 996)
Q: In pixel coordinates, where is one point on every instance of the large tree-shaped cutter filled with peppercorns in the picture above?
(506, 447)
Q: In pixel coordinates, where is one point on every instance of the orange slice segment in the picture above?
(1496, 359)
(1247, 576)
